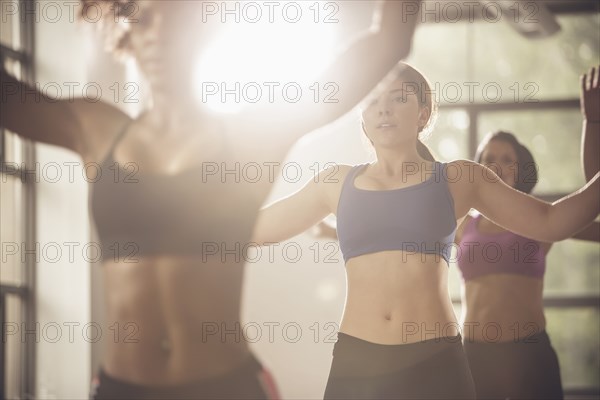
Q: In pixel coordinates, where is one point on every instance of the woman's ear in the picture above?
(424, 113)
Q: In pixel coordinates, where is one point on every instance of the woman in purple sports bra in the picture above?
(509, 351)
(396, 220)
(166, 224)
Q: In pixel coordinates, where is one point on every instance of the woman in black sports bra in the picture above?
(170, 228)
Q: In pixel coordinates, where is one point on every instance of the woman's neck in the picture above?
(394, 163)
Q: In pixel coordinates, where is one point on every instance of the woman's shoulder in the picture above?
(335, 168)
(98, 111)
(101, 123)
(461, 164)
(336, 173)
(465, 172)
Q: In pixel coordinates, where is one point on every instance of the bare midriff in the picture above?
(396, 297)
(503, 307)
(177, 318)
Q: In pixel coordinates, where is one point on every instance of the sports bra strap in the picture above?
(120, 136)
(352, 175)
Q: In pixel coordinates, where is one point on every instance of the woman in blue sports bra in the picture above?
(165, 215)
(396, 218)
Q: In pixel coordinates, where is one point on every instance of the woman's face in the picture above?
(164, 36)
(395, 116)
(501, 157)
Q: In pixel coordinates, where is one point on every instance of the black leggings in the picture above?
(431, 369)
(526, 369)
(249, 381)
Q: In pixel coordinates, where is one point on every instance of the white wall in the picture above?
(63, 291)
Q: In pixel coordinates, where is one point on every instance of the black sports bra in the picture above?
(139, 214)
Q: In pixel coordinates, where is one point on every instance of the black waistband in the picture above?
(541, 338)
(352, 355)
(110, 387)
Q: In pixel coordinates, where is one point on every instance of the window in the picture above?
(16, 213)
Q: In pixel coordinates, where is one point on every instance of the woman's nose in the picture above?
(384, 111)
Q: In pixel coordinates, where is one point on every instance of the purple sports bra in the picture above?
(498, 253)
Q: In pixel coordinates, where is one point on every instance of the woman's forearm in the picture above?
(590, 148)
(572, 213)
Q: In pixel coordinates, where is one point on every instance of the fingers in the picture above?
(590, 80)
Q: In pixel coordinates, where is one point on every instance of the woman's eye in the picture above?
(400, 99)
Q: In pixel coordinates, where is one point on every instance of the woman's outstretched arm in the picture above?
(31, 114)
(524, 214)
(590, 233)
(73, 123)
(296, 213)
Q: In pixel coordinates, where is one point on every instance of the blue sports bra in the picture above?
(415, 219)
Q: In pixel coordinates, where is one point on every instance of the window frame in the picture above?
(25, 292)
